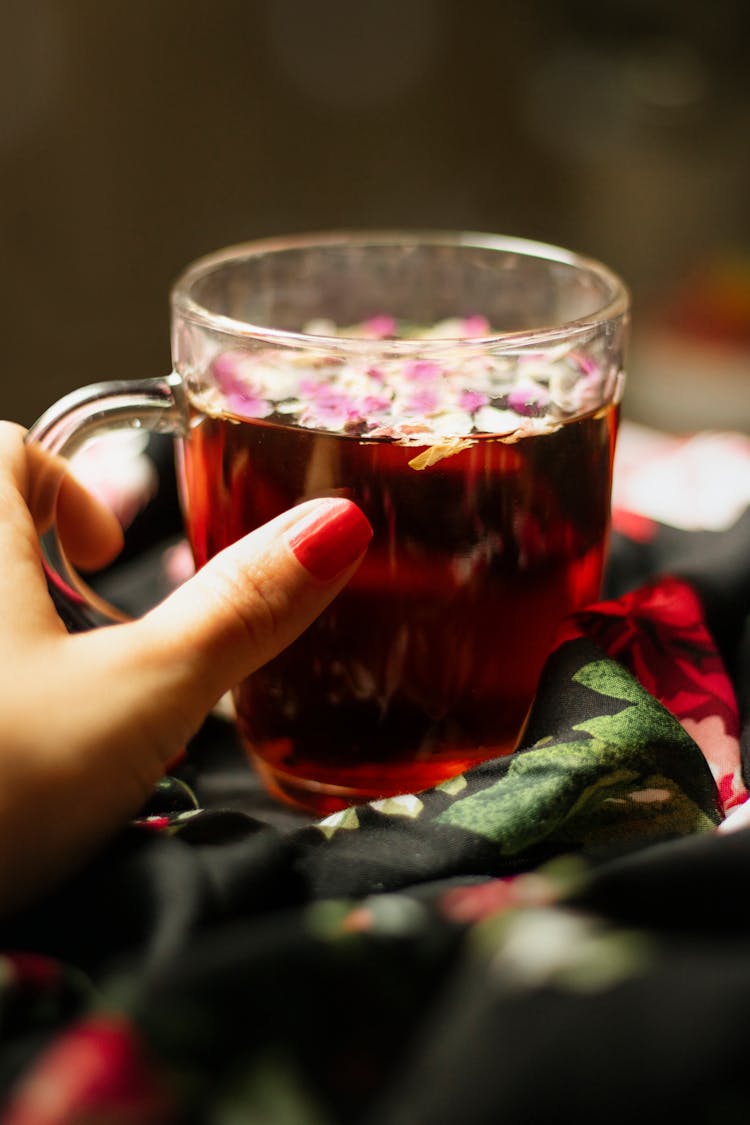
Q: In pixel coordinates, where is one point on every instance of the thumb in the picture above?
(127, 698)
(240, 610)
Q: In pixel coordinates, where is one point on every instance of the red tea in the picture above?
(428, 660)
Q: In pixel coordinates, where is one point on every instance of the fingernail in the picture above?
(330, 538)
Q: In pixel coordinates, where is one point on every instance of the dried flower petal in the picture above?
(413, 401)
(422, 371)
(472, 400)
(476, 325)
(380, 327)
(439, 452)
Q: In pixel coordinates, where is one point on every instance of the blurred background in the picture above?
(134, 137)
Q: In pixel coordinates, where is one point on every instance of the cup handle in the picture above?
(157, 405)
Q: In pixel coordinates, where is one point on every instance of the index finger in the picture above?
(24, 602)
(36, 488)
(89, 532)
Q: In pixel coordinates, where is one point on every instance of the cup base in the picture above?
(323, 798)
(311, 796)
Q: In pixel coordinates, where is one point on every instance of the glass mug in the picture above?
(463, 390)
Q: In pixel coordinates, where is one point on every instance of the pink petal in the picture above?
(380, 327)
(472, 400)
(422, 371)
(476, 325)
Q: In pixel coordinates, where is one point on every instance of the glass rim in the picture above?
(616, 306)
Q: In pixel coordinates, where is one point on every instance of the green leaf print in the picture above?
(634, 773)
(628, 725)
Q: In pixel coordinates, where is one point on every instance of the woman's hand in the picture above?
(89, 722)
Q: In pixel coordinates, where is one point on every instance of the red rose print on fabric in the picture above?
(659, 634)
(96, 1071)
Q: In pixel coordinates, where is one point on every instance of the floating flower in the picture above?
(491, 420)
(585, 363)
(424, 401)
(472, 400)
(451, 423)
(240, 393)
(380, 327)
(373, 404)
(421, 371)
(474, 326)
(528, 397)
(406, 399)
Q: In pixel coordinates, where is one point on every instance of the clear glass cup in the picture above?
(464, 390)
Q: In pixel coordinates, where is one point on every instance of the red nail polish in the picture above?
(331, 538)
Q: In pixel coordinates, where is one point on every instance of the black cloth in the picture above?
(562, 934)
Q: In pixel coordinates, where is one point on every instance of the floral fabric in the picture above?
(560, 934)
